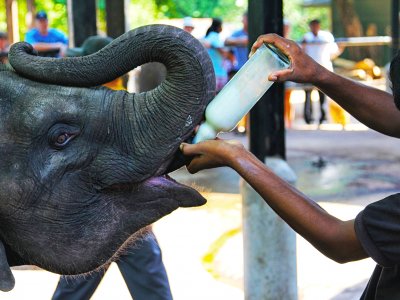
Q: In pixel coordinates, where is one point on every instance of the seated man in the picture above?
(47, 41)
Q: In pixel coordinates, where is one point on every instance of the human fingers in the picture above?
(198, 163)
(279, 42)
(190, 149)
(281, 75)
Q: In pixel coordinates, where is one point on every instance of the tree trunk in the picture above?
(351, 24)
(30, 4)
(12, 21)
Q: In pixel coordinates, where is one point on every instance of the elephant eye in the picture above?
(60, 136)
(62, 139)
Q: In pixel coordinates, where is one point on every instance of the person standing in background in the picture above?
(215, 47)
(46, 41)
(3, 47)
(287, 108)
(321, 46)
(239, 41)
(188, 24)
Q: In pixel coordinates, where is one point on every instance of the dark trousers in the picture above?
(308, 111)
(141, 267)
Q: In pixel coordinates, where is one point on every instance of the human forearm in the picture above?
(373, 107)
(47, 46)
(237, 42)
(334, 238)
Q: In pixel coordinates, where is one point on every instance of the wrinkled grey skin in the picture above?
(82, 168)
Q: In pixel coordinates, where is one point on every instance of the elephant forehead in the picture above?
(33, 104)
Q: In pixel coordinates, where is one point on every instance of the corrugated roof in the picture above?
(316, 2)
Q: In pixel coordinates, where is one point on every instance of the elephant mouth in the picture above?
(184, 195)
(159, 188)
(179, 160)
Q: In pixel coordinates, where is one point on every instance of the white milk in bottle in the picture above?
(241, 93)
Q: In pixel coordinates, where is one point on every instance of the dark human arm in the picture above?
(334, 238)
(373, 107)
(237, 41)
(43, 47)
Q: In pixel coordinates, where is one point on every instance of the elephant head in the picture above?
(84, 168)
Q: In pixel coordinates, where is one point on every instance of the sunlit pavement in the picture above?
(202, 247)
(188, 235)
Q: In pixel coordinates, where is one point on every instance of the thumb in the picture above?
(187, 149)
(281, 75)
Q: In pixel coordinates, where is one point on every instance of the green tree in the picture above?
(3, 22)
(143, 12)
(299, 17)
(226, 9)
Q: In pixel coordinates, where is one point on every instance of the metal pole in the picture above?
(395, 27)
(269, 243)
(81, 20)
(116, 17)
(267, 132)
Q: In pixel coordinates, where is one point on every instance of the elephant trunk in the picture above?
(160, 119)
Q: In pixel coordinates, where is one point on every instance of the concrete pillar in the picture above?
(81, 21)
(269, 244)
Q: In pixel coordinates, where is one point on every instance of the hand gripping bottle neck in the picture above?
(241, 93)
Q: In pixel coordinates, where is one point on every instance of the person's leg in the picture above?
(308, 107)
(77, 287)
(322, 99)
(287, 108)
(144, 271)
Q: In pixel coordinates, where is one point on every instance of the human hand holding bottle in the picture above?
(303, 68)
(213, 154)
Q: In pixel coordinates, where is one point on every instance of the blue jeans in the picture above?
(143, 271)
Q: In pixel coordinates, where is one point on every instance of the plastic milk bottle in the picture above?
(241, 93)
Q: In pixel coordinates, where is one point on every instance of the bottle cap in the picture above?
(205, 132)
(279, 54)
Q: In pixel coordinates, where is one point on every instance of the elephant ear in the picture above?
(7, 280)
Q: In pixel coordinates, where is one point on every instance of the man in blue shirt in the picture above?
(239, 41)
(47, 41)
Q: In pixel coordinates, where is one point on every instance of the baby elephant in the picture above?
(84, 168)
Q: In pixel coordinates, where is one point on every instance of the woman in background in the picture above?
(215, 47)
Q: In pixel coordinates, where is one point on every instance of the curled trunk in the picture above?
(159, 119)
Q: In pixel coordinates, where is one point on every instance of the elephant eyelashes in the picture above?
(61, 136)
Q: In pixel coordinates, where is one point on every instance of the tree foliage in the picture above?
(149, 11)
(227, 9)
(299, 17)
(3, 24)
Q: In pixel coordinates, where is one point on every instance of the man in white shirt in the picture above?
(321, 46)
